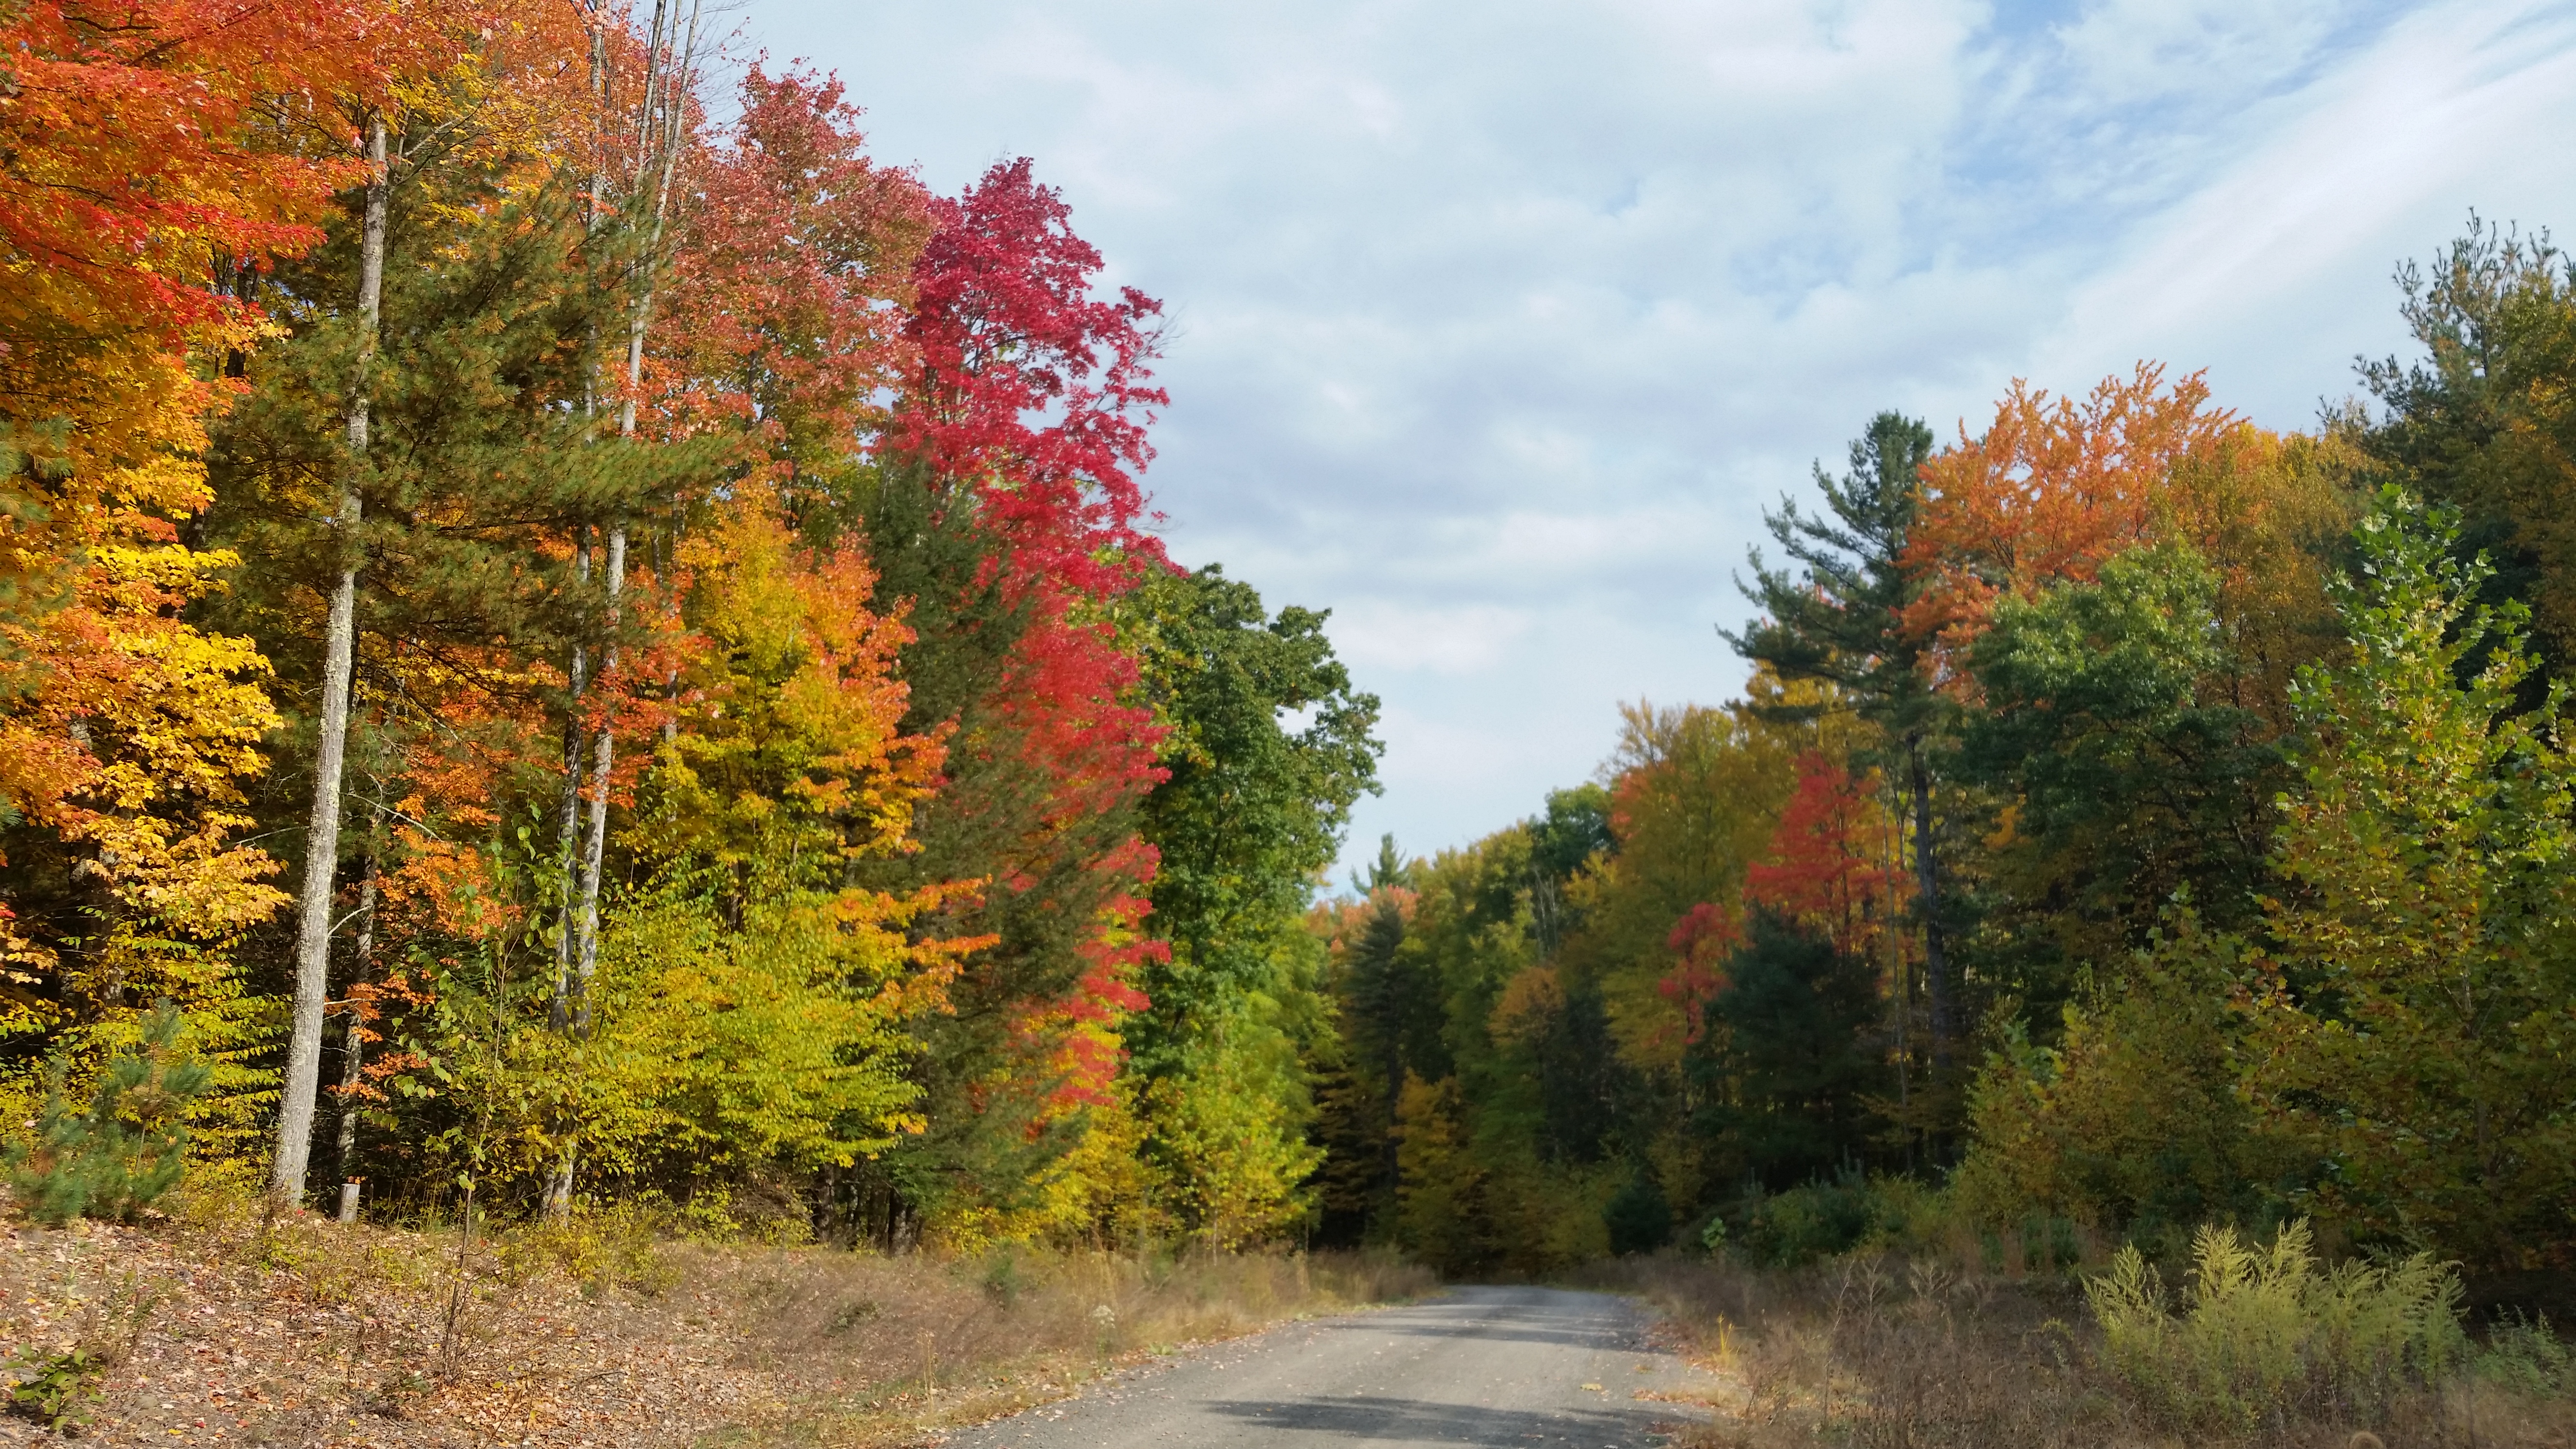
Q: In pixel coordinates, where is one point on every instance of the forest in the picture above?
(574, 639)
(568, 639)
(2134, 820)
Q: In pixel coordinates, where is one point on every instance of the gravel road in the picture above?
(1531, 1368)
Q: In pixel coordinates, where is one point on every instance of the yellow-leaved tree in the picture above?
(2416, 1040)
(145, 174)
(751, 1008)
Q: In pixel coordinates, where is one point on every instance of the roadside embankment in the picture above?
(212, 1327)
(2247, 1344)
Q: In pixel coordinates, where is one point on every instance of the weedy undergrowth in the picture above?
(2266, 1331)
(55, 1389)
(2525, 1355)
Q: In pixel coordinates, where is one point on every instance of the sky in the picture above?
(1497, 325)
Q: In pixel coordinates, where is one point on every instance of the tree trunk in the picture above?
(594, 853)
(658, 131)
(339, 643)
(582, 909)
(568, 835)
(1927, 887)
(659, 121)
(559, 1015)
(559, 1186)
(353, 1048)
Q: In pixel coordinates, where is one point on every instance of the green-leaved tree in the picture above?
(2417, 1037)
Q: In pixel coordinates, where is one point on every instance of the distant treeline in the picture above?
(2135, 819)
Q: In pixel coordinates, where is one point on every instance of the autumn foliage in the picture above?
(705, 577)
(1832, 861)
(2051, 489)
(737, 551)
(145, 170)
(2135, 820)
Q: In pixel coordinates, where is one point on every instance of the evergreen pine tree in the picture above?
(1836, 620)
(127, 1147)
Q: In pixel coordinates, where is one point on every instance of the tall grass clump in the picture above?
(2267, 1332)
(2525, 1356)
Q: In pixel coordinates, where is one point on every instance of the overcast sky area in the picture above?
(1498, 324)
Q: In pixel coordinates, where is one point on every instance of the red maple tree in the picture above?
(795, 259)
(1823, 867)
(1700, 941)
(1030, 402)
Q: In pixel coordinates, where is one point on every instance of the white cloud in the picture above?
(2128, 52)
(1499, 322)
(2275, 273)
(1377, 637)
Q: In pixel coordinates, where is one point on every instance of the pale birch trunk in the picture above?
(584, 930)
(659, 130)
(339, 644)
(568, 835)
(558, 1204)
(353, 1048)
(595, 853)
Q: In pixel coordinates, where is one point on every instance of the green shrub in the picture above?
(1850, 1213)
(2526, 1356)
(2049, 1244)
(1911, 1215)
(2265, 1330)
(1712, 1234)
(127, 1148)
(1820, 1220)
(602, 1246)
(1002, 1277)
(54, 1389)
(1639, 1218)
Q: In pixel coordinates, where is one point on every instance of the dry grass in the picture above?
(1879, 1352)
(876, 1347)
(212, 1328)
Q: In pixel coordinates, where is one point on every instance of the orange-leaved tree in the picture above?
(794, 267)
(753, 1003)
(2050, 490)
(153, 157)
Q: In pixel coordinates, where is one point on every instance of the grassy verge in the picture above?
(1878, 1350)
(211, 1327)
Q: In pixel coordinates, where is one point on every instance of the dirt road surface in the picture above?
(1527, 1368)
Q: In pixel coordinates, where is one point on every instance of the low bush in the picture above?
(1820, 1220)
(2267, 1332)
(1896, 1214)
(1639, 1219)
(1848, 1214)
(54, 1389)
(2524, 1355)
(127, 1148)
